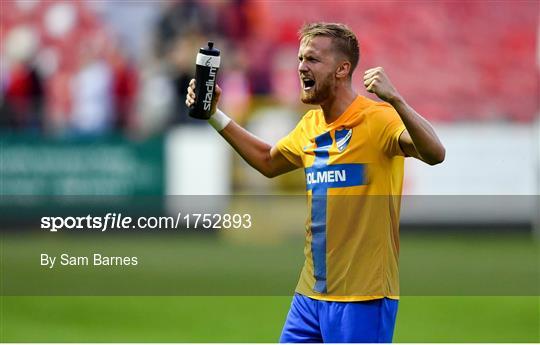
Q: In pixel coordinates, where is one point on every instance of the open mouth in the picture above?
(308, 83)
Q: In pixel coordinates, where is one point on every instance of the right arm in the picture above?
(257, 153)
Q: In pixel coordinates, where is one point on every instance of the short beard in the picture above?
(320, 94)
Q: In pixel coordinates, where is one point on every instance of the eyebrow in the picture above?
(309, 53)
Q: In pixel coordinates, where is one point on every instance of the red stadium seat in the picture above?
(452, 60)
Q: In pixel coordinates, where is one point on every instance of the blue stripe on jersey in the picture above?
(319, 178)
(318, 214)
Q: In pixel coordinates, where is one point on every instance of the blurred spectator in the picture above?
(125, 84)
(43, 85)
(155, 99)
(181, 18)
(185, 26)
(21, 104)
(178, 39)
(92, 94)
(22, 107)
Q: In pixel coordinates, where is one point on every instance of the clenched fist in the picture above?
(190, 97)
(376, 81)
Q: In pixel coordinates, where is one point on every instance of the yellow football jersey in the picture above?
(354, 176)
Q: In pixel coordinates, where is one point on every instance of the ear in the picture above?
(343, 69)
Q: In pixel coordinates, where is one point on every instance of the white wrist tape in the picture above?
(219, 120)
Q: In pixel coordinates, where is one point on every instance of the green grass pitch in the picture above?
(260, 318)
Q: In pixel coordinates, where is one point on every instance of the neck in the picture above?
(338, 103)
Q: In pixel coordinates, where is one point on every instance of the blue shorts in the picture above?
(313, 321)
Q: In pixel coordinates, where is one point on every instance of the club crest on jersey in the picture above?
(343, 138)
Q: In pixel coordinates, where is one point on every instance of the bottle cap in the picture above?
(210, 50)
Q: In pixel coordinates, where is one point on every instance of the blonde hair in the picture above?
(342, 38)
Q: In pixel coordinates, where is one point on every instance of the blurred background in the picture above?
(113, 75)
(92, 103)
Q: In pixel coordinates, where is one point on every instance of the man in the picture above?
(352, 150)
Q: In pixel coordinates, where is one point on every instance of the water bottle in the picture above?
(207, 67)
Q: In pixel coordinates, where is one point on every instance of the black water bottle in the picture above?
(207, 67)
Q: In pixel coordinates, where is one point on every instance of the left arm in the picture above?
(419, 140)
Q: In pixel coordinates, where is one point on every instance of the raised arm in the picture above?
(257, 153)
(419, 140)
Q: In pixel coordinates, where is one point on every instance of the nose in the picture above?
(302, 67)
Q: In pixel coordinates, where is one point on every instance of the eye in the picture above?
(308, 58)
